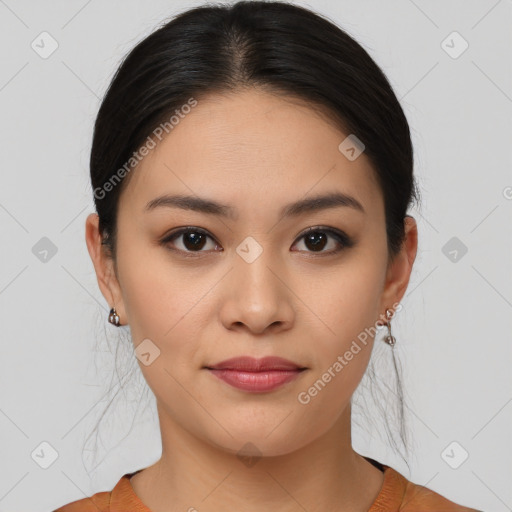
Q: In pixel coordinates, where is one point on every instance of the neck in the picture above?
(326, 474)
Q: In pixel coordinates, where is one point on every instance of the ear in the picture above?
(104, 266)
(399, 270)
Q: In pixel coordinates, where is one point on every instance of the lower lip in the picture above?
(256, 381)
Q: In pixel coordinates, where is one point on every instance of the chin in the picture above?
(255, 443)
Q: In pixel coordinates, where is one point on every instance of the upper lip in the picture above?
(247, 363)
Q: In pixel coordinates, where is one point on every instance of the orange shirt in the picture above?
(397, 494)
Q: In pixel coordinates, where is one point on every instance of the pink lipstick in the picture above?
(256, 375)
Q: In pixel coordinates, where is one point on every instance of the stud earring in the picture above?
(113, 317)
(389, 339)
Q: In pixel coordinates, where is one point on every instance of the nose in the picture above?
(257, 296)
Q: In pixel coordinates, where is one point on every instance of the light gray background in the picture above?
(454, 331)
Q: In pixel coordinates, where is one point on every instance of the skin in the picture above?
(255, 152)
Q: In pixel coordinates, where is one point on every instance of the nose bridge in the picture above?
(255, 296)
(255, 264)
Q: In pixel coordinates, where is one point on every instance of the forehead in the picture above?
(255, 148)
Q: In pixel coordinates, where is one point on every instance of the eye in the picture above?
(317, 238)
(190, 239)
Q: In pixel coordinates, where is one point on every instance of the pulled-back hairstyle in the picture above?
(282, 49)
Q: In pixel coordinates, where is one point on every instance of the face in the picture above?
(253, 281)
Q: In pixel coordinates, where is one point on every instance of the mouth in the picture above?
(256, 375)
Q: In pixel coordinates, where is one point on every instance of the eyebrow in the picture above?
(210, 207)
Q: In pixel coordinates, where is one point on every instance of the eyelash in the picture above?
(342, 238)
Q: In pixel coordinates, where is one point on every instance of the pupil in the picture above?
(194, 239)
(317, 240)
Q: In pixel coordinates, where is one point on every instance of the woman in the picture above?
(252, 170)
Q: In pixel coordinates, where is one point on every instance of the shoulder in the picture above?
(99, 502)
(120, 499)
(400, 494)
(419, 498)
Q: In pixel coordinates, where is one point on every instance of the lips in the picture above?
(251, 364)
(256, 375)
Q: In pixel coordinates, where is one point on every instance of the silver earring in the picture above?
(113, 317)
(389, 339)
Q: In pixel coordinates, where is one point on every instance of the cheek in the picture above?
(157, 295)
(327, 392)
(348, 303)
(163, 304)
(340, 362)
(348, 309)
